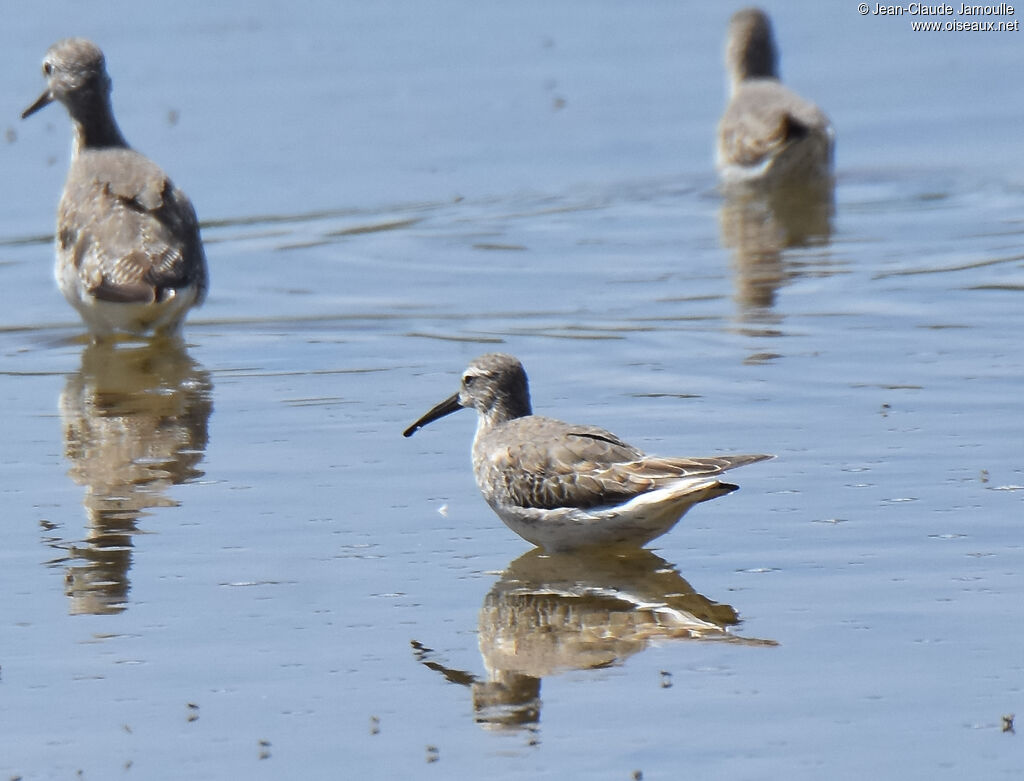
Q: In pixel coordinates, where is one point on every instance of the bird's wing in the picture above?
(132, 235)
(544, 463)
(763, 117)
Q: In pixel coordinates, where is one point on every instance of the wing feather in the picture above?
(763, 117)
(130, 232)
(543, 463)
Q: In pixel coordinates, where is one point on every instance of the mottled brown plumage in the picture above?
(129, 255)
(564, 486)
(767, 130)
(544, 463)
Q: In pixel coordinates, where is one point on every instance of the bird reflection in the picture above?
(759, 222)
(135, 423)
(551, 613)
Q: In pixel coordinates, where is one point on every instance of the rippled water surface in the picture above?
(224, 561)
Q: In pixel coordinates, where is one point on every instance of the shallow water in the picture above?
(226, 561)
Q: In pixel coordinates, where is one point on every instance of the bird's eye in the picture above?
(47, 69)
(468, 380)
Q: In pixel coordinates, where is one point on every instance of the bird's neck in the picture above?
(96, 128)
(500, 414)
(508, 409)
(756, 59)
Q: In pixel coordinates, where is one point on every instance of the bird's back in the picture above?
(543, 463)
(766, 122)
(125, 233)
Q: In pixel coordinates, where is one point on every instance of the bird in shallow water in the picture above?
(129, 255)
(768, 132)
(562, 486)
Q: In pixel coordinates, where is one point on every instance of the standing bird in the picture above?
(129, 256)
(564, 487)
(768, 132)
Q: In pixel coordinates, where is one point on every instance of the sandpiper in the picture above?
(564, 487)
(767, 131)
(129, 256)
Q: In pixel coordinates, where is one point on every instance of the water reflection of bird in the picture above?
(129, 256)
(775, 153)
(135, 423)
(760, 224)
(549, 614)
(563, 486)
(767, 130)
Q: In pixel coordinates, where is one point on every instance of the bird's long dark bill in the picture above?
(446, 407)
(44, 99)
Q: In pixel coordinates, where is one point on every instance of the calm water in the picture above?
(225, 561)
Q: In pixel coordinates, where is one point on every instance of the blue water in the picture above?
(229, 563)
